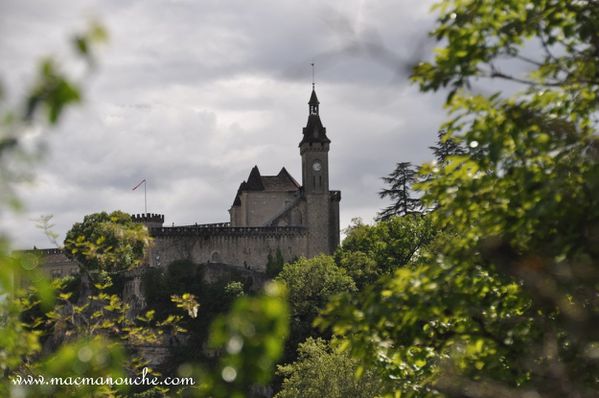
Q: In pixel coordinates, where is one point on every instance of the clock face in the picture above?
(316, 165)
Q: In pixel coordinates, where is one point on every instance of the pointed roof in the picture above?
(254, 182)
(314, 132)
(313, 98)
(237, 200)
(285, 174)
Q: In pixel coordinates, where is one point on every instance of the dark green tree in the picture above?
(400, 192)
(446, 147)
(274, 265)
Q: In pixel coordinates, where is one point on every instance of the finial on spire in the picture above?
(313, 99)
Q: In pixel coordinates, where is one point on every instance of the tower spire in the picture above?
(313, 103)
(314, 130)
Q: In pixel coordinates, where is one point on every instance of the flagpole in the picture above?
(145, 194)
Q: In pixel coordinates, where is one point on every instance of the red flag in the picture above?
(137, 186)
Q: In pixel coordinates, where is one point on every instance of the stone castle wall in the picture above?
(54, 263)
(246, 247)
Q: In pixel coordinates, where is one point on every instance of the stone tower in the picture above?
(322, 205)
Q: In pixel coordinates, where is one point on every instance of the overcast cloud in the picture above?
(191, 94)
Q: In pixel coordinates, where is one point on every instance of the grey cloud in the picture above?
(192, 94)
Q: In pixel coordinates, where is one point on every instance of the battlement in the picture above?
(146, 218)
(209, 225)
(42, 252)
(215, 230)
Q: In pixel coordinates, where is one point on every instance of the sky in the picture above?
(191, 94)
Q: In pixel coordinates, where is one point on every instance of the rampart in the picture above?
(54, 262)
(246, 247)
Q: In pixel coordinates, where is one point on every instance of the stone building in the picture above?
(268, 214)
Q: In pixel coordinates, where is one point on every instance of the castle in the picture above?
(269, 214)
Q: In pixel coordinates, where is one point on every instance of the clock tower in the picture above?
(322, 205)
(314, 149)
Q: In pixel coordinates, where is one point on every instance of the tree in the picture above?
(22, 286)
(252, 337)
(390, 244)
(107, 242)
(311, 283)
(446, 147)
(528, 199)
(274, 265)
(400, 182)
(506, 304)
(216, 298)
(361, 267)
(433, 319)
(322, 371)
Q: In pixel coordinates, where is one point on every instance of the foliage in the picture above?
(526, 197)
(95, 357)
(251, 337)
(400, 191)
(322, 371)
(390, 244)
(428, 317)
(101, 313)
(107, 242)
(447, 147)
(505, 304)
(311, 283)
(44, 223)
(19, 341)
(234, 289)
(362, 268)
(186, 278)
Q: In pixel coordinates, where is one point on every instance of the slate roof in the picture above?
(314, 132)
(282, 182)
(313, 98)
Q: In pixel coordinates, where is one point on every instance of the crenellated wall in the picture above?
(54, 262)
(150, 220)
(246, 247)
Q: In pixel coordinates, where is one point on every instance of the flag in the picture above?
(137, 186)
